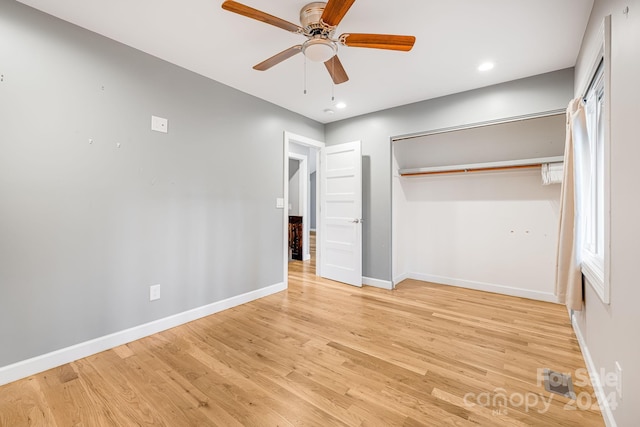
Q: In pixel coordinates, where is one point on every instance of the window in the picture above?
(591, 183)
(592, 174)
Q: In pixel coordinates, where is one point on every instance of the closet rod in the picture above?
(478, 167)
(471, 170)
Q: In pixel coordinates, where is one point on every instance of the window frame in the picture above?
(596, 224)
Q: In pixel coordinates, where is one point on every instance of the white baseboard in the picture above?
(487, 287)
(384, 284)
(60, 357)
(400, 278)
(605, 407)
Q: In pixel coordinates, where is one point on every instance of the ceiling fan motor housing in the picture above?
(311, 20)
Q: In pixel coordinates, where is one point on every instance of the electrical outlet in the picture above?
(619, 380)
(154, 292)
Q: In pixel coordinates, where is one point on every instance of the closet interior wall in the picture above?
(491, 230)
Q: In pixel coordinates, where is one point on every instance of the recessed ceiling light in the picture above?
(341, 105)
(328, 111)
(486, 66)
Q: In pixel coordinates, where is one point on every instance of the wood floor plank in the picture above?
(22, 404)
(115, 397)
(323, 354)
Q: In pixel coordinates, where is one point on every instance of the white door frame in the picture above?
(309, 142)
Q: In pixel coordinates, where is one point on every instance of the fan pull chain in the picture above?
(333, 84)
(305, 75)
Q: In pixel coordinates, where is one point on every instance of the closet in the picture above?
(470, 208)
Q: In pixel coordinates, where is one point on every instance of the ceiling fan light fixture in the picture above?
(319, 50)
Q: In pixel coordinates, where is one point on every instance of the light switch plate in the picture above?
(280, 203)
(154, 292)
(159, 124)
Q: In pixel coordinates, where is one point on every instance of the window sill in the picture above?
(593, 271)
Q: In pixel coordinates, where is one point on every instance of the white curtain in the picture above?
(568, 273)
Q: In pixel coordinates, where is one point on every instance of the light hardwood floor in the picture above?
(323, 354)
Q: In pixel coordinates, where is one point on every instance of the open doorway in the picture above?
(301, 163)
(301, 204)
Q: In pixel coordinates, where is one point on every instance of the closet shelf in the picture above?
(477, 167)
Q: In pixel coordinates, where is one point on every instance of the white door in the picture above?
(341, 213)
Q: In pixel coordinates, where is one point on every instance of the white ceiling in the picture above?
(522, 37)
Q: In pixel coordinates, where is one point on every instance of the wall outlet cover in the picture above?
(159, 124)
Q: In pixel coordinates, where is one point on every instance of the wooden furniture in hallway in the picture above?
(295, 237)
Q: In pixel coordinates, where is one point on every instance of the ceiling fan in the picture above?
(318, 24)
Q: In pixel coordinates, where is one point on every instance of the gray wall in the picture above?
(610, 331)
(86, 228)
(536, 94)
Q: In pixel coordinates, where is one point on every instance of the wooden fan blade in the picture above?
(278, 58)
(335, 10)
(378, 41)
(249, 12)
(336, 70)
